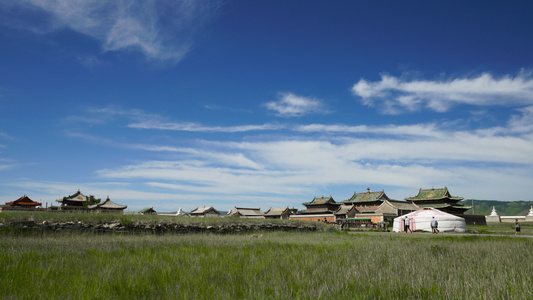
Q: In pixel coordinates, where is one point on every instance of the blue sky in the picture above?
(264, 103)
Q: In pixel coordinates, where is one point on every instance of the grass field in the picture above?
(275, 265)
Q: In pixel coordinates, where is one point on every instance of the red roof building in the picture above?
(24, 201)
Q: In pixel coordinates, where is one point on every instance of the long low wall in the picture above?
(318, 217)
(160, 227)
(474, 219)
(509, 219)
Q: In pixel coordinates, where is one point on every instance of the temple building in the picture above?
(205, 212)
(367, 201)
(278, 213)
(148, 211)
(319, 209)
(344, 212)
(440, 199)
(78, 200)
(247, 213)
(24, 201)
(108, 206)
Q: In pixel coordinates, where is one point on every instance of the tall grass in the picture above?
(274, 266)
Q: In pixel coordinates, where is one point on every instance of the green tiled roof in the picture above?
(433, 194)
(321, 200)
(77, 197)
(367, 196)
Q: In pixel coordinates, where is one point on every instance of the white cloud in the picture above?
(300, 168)
(196, 127)
(289, 165)
(160, 30)
(421, 130)
(291, 105)
(138, 119)
(522, 123)
(90, 62)
(395, 95)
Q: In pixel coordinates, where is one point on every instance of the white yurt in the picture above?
(421, 220)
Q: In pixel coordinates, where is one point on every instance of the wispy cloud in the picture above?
(418, 130)
(395, 95)
(109, 114)
(90, 62)
(139, 119)
(160, 30)
(197, 127)
(6, 136)
(303, 159)
(291, 105)
(406, 157)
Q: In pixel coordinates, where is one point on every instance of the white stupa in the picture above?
(495, 214)
(493, 217)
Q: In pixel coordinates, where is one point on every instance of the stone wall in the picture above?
(161, 227)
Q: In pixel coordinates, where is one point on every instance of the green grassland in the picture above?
(269, 265)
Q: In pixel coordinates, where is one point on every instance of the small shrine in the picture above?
(108, 206)
(493, 217)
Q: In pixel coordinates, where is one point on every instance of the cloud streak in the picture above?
(395, 95)
(160, 30)
(197, 127)
(291, 105)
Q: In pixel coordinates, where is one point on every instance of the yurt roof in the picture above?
(430, 212)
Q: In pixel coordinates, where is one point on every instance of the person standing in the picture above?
(516, 227)
(434, 225)
(406, 225)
